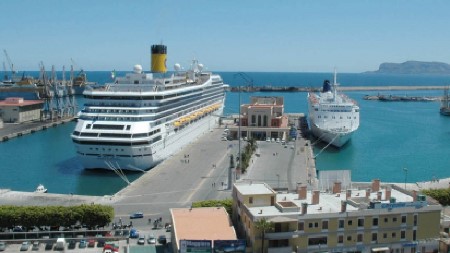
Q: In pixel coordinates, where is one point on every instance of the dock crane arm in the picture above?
(10, 64)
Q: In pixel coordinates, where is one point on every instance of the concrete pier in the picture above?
(12, 130)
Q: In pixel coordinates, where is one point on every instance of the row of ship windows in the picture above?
(145, 97)
(107, 143)
(100, 155)
(333, 117)
(317, 109)
(139, 135)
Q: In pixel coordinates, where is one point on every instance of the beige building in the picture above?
(206, 223)
(261, 119)
(372, 218)
(18, 110)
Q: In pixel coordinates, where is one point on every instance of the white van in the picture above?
(60, 244)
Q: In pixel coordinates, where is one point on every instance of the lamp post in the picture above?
(406, 175)
(278, 181)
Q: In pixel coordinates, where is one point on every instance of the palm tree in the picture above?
(264, 226)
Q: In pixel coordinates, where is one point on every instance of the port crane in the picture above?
(10, 64)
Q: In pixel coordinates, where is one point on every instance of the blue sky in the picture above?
(231, 35)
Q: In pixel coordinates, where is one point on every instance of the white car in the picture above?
(151, 239)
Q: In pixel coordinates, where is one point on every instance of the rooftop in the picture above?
(206, 223)
(326, 202)
(16, 101)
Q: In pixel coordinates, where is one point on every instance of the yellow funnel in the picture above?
(158, 63)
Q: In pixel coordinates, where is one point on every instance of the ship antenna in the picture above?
(335, 85)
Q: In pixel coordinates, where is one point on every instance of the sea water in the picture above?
(392, 136)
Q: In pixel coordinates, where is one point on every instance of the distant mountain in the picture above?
(413, 67)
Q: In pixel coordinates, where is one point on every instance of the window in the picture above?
(349, 238)
(310, 225)
(415, 219)
(403, 219)
(88, 126)
(250, 200)
(341, 223)
(360, 238)
(414, 235)
(360, 222)
(385, 220)
(340, 239)
(325, 224)
(316, 224)
(384, 235)
(350, 222)
(403, 234)
(374, 237)
(317, 241)
(394, 235)
(394, 219)
(301, 226)
(375, 222)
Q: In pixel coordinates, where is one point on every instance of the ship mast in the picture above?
(334, 86)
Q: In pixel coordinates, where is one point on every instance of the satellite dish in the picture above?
(200, 66)
(177, 67)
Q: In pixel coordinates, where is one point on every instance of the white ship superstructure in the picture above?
(333, 117)
(142, 118)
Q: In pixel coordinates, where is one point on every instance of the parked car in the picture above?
(35, 246)
(100, 243)
(162, 239)
(24, 246)
(72, 244)
(82, 244)
(151, 239)
(141, 240)
(2, 246)
(137, 215)
(49, 246)
(134, 233)
(91, 243)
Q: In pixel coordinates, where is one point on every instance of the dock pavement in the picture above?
(13, 130)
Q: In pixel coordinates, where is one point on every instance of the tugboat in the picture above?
(41, 189)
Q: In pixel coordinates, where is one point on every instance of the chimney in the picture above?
(414, 195)
(379, 194)
(337, 187)
(375, 185)
(388, 193)
(301, 190)
(304, 208)
(343, 206)
(315, 197)
(348, 194)
(368, 190)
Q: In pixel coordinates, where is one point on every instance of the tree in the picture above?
(264, 226)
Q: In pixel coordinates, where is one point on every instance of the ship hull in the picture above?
(337, 139)
(159, 151)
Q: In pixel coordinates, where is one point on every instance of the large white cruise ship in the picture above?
(333, 117)
(142, 118)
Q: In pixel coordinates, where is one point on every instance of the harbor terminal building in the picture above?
(371, 217)
(263, 118)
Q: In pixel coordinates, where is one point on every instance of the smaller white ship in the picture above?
(333, 117)
(41, 189)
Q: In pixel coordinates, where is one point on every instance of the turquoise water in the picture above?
(392, 136)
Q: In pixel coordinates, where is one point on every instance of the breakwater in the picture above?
(275, 88)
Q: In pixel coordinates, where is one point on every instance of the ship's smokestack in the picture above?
(158, 64)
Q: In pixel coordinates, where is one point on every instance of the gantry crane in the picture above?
(11, 65)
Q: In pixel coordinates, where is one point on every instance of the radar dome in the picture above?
(177, 67)
(200, 66)
(137, 69)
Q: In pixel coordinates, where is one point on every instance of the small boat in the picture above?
(41, 189)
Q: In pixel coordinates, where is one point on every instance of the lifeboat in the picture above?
(177, 123)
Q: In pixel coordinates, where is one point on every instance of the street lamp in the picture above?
(278, 178)
(406, 175)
